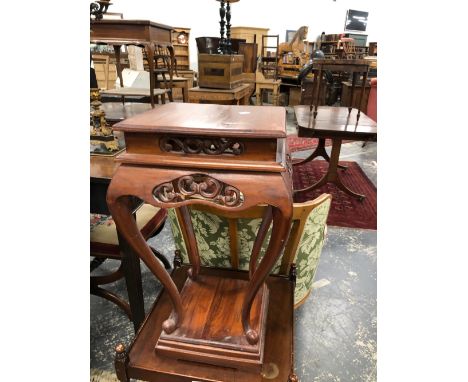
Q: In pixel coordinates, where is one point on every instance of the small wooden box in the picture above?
(220, 71)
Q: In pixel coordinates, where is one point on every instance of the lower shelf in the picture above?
(212, 331)
(146, 364)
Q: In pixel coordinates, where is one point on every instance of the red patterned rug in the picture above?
(345, 211)
(299, 144)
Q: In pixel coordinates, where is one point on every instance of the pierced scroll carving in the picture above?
(213, 146)
(198, 186)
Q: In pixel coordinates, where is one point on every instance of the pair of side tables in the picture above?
(209, 324)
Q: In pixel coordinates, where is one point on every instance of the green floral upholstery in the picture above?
(212, 234)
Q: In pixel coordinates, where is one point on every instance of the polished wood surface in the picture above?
(142, 362)
(102, 168)
(214, 335)
(158, 94)
(210, 120)
(239, 95)
(225, 135)
(336, 123)
(129, 31)
(118, 111)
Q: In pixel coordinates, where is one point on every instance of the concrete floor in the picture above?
(335, 329)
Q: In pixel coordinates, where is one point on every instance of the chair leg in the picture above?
(162, 258)
(96, 262)
(120, 363)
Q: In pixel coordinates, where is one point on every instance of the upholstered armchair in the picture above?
(214, 232)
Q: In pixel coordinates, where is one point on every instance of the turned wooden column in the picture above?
(229, 157)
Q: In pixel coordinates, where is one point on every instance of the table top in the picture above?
(334, 122)
(102, 168)
(341, 65)
(209, 90)
(210, 120)
(331, 61)
(140, 23)
(130, 91)
(117, 111)
(174, 78)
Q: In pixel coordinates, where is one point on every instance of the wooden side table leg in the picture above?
(262, 231)
(150, 55)
(353, 85)
(192, 248)
(258, 95)
(172, 67)
(118, 65)
(185, 92)
(363, 90)
(331, 174)
(319, 151)
(317, 98)
(120, 207)
(275, 95)
(281, 222)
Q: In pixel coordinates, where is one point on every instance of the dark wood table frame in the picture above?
(102, 169)
(144, 33)
(335, 123)
(355, 67)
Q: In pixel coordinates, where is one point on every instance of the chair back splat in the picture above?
(220, 232)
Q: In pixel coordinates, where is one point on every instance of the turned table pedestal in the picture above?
(335, 123)
(232, 158)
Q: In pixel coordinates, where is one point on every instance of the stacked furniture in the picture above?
(144, 33)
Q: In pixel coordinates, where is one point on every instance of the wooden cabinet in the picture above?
(180, 42)
(248, 34)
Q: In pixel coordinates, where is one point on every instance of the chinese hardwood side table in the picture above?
(233, 158)
(145, 33)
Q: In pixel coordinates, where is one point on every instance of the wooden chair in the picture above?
(105, 245)
(347, 47)
(106, 72)
(214, 231)
(164, 64)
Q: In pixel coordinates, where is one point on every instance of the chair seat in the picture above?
(103, 230)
